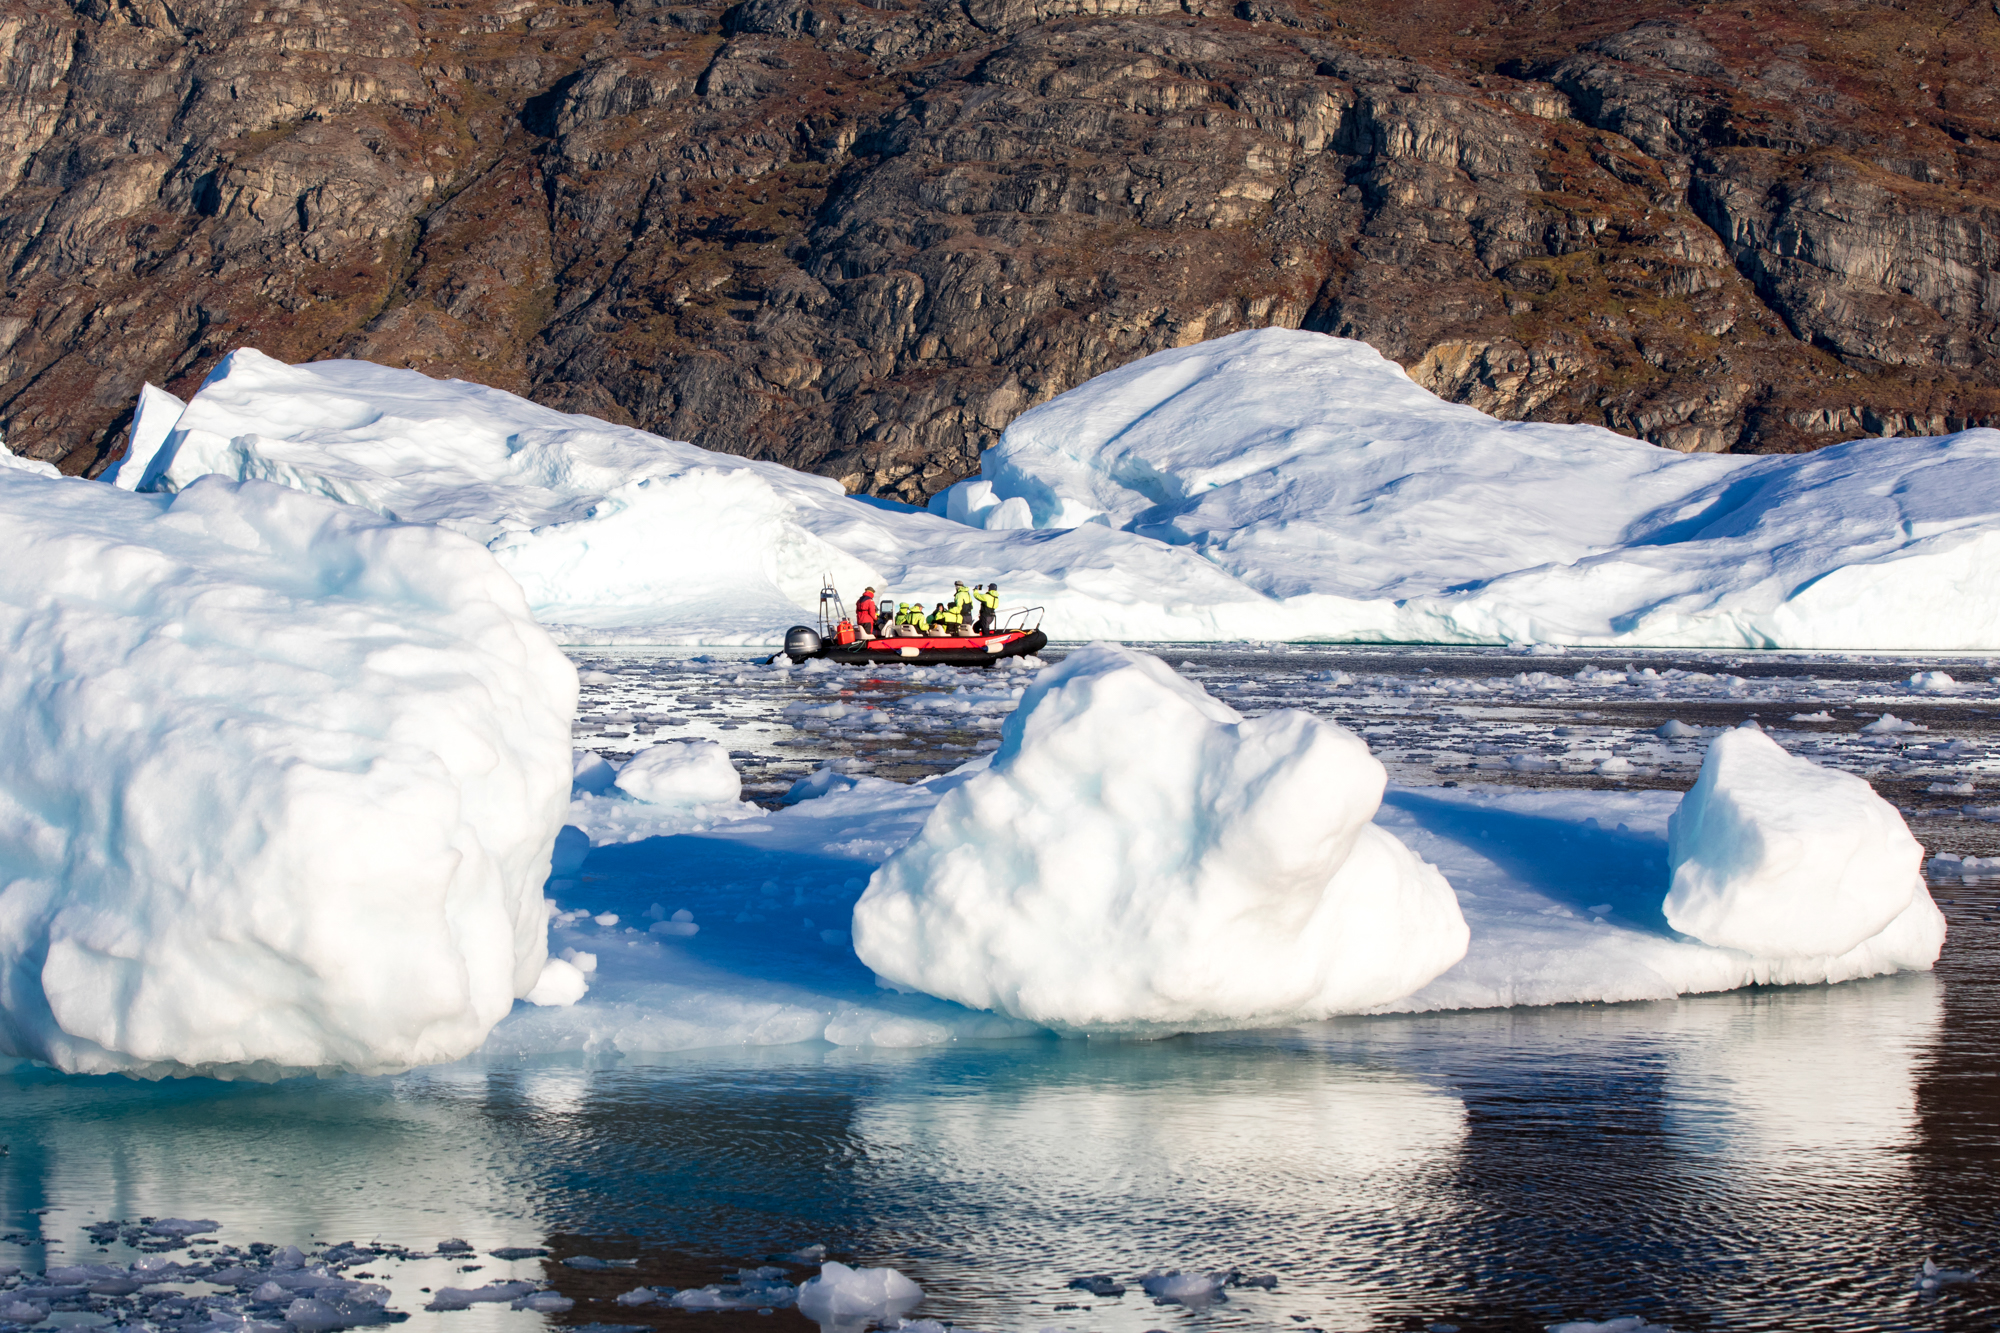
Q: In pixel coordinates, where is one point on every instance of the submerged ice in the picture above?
(278, 782)
(1138, 855)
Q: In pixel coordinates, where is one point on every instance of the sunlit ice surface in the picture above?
(1766, 1158)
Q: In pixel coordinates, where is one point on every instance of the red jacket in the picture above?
(864, 609)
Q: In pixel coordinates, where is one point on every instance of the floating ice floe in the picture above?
(1139, 855)
(278, 782)
(1265, 485)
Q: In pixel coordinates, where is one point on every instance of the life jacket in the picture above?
(961, 602)
(989, 600)
(864, 609)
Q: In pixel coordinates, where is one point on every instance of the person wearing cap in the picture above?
(961, 608)
(864, 613)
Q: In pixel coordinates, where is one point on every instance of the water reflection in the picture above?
(1776, 1159)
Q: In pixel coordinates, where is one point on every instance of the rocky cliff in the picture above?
(861, 237)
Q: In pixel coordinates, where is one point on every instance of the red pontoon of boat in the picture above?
(836, 639)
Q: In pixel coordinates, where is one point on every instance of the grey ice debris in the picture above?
(511, 1252)
(1675, 730)
(1098, 1286)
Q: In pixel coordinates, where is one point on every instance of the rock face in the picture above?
(861, 237)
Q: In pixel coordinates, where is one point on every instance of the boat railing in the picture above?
(1022, 619)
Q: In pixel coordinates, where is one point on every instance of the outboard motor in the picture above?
(801, 642)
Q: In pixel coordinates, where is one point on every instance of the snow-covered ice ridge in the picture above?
(1562, 888)
(1272, 484)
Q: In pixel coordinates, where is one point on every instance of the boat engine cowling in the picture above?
(801, 642)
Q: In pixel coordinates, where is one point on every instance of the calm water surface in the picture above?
(1763, 1159)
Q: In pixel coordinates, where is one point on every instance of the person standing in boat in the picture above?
(961, 608)
(864, 613)
(989, 606)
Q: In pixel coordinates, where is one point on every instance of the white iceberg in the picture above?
(1272, 484)
(278, 782)
(1775, 855)
(1313, 471)
(1140, 857)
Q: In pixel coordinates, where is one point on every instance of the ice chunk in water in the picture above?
(1777, 856)
(1931, 1279)
(1890, 724)
(1675, 730)
(592, 772)
(1141, 857)
(846, 1300)
(1630, 1323)
(1193, 1290)
(545, 1302)
(1098, 1286)
(462, 1298)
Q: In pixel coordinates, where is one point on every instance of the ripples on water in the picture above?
(1763, 1159)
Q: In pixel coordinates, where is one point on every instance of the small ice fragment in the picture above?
(681, 773)
(639, 1296)
(1616, 764)
(1194, 1290)
(1821, 716)
(580, 959)
(846, 1300)
(567, 857)
(1098, 1286)
(545, 1302)
(588, 1263)
(683, 915)
(606, 918)
(805, 1254)
(1951, 789)
(270, 1291)
(453, 1246)
(1931, 1279)
(1931, 682)
(1602, 909)
(1630, 1323)
(21, 1312)
(1675, 730)
(289, 1258)
(561, 983)
(182, 1226)
(674, 928)
(460, 1298)
(518, 1252)
(1889, 722)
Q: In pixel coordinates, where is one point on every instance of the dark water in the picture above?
(1772, 1159)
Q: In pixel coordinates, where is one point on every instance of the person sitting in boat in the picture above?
(917, 622)
(864, 613)
(943, 621)
(989, 606)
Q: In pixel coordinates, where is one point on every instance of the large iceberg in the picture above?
(1272, 484)
(1775, 855)
(1313, 471)
(278, 782)
(1139, 856)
